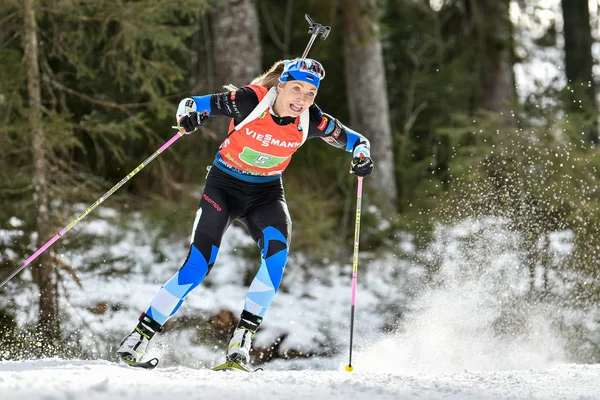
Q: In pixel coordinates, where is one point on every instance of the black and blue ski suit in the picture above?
(237, 190)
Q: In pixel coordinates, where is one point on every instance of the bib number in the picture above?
(261, 160)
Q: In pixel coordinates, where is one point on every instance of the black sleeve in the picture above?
(332, 131)
(236, 104)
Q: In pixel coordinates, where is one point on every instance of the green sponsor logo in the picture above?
(262, 160)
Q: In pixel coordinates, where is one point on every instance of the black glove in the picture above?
(362, 166)
(192, 121)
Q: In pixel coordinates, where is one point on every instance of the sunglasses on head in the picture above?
(306, 65)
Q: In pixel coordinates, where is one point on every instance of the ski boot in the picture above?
(134, 345)
(238, 350)
(239, 346)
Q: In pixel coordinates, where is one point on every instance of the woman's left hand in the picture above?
(362, 166)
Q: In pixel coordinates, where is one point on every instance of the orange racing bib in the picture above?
(262, 147)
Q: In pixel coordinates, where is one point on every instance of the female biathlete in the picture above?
(271, 118)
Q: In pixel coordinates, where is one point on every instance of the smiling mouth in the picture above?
(295, 108)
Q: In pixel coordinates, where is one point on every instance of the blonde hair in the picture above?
(271, 77)
(267, 79)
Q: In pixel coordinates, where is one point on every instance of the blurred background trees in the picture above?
(88, 89)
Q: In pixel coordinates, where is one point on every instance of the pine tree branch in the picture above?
(4, 21)
(108, 104)
(271, 28)
(68, 269)
(125, 108)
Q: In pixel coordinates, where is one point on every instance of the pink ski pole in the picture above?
(91, 208)
(349, 367)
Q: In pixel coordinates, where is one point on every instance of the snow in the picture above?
(312, 308)
(540, 68)
(99, 380)
(445, 346)
(461, 337)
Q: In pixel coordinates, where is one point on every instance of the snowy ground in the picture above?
(446, 348)
(317, 298)
(99, 380)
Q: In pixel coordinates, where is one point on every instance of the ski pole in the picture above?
(91, 208)
(349, 367)
(316, 30)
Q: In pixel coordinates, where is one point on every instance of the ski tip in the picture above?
(153, 362)
(231, 366)
(150, 364)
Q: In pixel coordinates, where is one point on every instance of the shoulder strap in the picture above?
(267, 102)
(261, 107)
(305, 124)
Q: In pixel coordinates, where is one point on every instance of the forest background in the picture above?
(88, 90)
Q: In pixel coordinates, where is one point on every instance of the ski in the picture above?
(228, 366)
(231, 366)
(150, 364)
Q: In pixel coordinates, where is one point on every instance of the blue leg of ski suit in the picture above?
(263, 209)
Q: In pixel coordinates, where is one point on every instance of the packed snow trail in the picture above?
(101, 380)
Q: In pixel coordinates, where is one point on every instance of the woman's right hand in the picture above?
(191, 121)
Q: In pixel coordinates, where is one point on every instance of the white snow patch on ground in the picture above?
(102, 380)
(311, 309)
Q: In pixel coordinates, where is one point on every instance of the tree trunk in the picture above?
(236, 39)
(42, 270)
(236, 46)
(367, 93)
(578, 65)
(492, 28)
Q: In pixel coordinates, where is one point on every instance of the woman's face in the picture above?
(294, 97)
